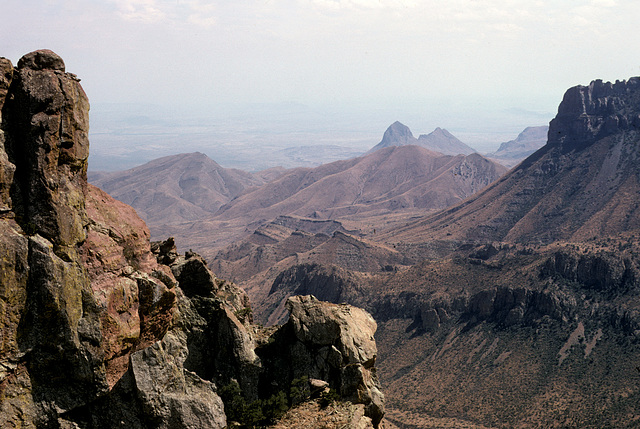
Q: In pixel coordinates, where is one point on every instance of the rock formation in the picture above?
(329, 342)
(100, 329)
(439, 140)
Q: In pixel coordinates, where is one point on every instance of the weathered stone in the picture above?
(43, 59)
(348, 328)
(46, 124)
(171, 396)
(7, 169)
(592, 112)
(197, 280)
(329, 342)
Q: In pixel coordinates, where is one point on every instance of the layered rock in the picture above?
(593, 112)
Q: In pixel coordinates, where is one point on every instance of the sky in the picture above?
(479, 68)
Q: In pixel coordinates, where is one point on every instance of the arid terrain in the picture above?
(503, 299)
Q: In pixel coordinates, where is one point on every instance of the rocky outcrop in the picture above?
(135, 293)
(51, 320)
(605, 272)
(397, 134)
(97, 327)
(439, 140)
(330, 342)
(326, 283)
(593, 112)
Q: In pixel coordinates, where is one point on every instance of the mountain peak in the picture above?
(576, 187)
(441, 140)
(397, 134)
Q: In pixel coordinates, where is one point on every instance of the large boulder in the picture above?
(330, 342)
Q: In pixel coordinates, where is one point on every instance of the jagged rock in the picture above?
(397, 134)
(604, 272)
(95, 329)
(221, 348)
(329, 342)
(6, 168)
(46, 124)
(133, 291)
(197, 279)
(592, 112)
(171, 396)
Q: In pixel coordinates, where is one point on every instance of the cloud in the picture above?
(201, 13)
(360, 5)
(140, 10)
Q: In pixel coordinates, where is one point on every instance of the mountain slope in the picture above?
(583, 183)
(439, 140)
(182, 195)
(177, 188)
(393, 178)
(528, 141)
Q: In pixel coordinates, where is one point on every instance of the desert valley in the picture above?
(423, 284)
(503, 298)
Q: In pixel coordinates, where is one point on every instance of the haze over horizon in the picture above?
(230, 78)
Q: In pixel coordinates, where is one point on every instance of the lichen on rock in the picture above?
(98, 327)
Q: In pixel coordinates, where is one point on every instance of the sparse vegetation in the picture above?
(263, 412)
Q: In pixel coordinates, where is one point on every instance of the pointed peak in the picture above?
(397, 133)
(441, 131)
(399, 126)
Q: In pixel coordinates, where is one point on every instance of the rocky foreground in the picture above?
(101, 328)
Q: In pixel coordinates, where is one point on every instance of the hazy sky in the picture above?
(439, 63)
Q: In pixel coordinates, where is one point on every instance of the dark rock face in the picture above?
(97, 327)
(603, 272)
(314, 279)
(44, 128)
(590, 113)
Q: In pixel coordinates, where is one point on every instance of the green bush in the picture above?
(299, 391)
(259, 413)
(328, 398)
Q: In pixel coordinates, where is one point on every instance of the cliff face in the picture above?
(580, 185)
(98, 328)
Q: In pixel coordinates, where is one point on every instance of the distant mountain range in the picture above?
(439, 140)
(517, 307)
(207, 206)
(528, 141)
(178, 188)
(583, 183)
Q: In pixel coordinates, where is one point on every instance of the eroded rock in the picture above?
(328, 342)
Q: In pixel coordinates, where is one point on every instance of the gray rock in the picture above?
(171, 396)
(330, 342)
